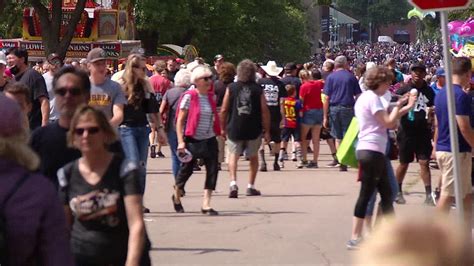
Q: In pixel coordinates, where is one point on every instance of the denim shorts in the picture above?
(313, 117)
(340, 118)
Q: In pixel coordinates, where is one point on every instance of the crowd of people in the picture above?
(84, 136)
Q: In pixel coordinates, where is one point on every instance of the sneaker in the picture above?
(354, 244)
(263, 167)
(160, 154)
(285, 156)
(435, 196)
(293, 157)
(334, 163)
(429, 201)
(153, 151)
(300, 164)
(276, 167)
(312, 165)
(399, 199)
(253, 192)
(145, 210)
(342, 168)
(281, 164)
(234, 192)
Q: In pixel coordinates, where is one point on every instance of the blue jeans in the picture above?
(175, 162)
(340, 118)
(135, 147)
(393, 185)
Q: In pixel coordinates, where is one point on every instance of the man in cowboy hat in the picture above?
(274, 90)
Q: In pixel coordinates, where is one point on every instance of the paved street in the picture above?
(304, 217)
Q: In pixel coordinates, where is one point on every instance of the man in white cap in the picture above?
(273, 90)
(3, 65)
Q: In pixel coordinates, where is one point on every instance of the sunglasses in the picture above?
(207, 78)
(90, 130)
(73, 91)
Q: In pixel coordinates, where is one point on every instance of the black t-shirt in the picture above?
(37, 86)
(219, 89)
(425, 99)
(274, 90)
(135, 116)
(100, 228)
(50, 143)
(244, 121)
(293, 81)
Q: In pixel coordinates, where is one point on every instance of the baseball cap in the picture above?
(54, 59)
(440, 72)
(96, 54)
(11, 118)
(290, 66)
(218, 57)
(419, 66)
(3, 58)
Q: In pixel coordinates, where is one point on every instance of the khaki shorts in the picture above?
(445, 163)
(251, 147)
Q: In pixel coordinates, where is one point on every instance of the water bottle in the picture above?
(411, 113)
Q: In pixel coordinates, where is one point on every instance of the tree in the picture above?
(51, 25)
(260, 30)
(377, 12)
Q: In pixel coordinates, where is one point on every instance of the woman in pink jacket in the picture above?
(197, 127)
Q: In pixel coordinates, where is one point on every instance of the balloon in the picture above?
(432, 14)
(467, 29)
(456, 42)
(415, 13)
(454, 27)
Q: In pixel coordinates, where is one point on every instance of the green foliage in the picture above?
(260, 30)
(379, 12)
(462, 14)
(12, 15)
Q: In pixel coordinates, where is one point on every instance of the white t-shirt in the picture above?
(53, 111)
(372, 135)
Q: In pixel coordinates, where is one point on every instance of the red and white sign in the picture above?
(440, 5)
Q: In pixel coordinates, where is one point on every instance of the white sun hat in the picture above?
(272, 69)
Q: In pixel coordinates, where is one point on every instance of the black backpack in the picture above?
(3, 237)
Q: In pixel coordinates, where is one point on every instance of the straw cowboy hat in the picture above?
(272, 69)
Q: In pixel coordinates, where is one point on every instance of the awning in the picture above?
(341, 18)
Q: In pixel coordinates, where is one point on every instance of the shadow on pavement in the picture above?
(221, 214)
(302, 195)
(198, 250)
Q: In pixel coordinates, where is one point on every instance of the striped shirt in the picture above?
(205, 128)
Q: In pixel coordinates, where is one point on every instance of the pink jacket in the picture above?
(195, 110)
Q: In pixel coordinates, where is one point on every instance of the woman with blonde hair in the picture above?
(197, 127)
(19, 198)
(101, 196)
(141, 102)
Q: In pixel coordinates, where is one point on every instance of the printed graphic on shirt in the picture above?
(421, 103)
(271, 94)
(244, 104)
(100, 100)
(289, 106)
(98, 205)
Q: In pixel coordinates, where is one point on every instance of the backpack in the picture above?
(3, 233)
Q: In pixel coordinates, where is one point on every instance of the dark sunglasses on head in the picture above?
(73, 91)
(90, 130)
(207, 78)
